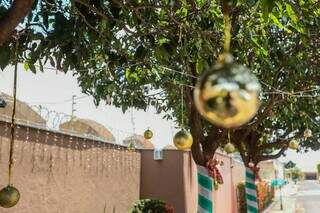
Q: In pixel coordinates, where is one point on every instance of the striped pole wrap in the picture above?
(205, 186)
(251, 192)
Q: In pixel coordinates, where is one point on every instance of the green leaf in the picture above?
(140, 53)
(52, 63)
(33, 68)
(267, 7)
(200, 65)
(251, 3)
(276, 21)
(291, 13)
(26, 66)
(4, 56)
(36, 18)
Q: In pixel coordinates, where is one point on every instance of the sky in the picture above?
(54, 91)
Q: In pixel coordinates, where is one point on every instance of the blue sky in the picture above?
(54, 91)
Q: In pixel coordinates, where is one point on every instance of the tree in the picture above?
(296, 174)
(141, 53)
(289, 165)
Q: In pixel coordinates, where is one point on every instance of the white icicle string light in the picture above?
(298, 94)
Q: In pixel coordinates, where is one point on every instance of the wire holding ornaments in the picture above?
(227, 25)
(297, 94)
(13, 124)
(182, 107)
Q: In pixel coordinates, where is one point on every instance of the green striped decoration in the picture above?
(205, 187)
(251, 192)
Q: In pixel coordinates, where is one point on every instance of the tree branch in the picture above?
(196, 129)
(18, 10)
(274, 156)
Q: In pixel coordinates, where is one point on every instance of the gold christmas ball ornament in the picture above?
(148, 134)
(9, 197)
(227, 94)
(131, 147)
(229, 148)
(183, 140)
(307, 133)
(293, 144)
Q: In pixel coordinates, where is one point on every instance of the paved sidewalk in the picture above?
(288, 197)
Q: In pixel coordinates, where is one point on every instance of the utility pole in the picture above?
(73, 106)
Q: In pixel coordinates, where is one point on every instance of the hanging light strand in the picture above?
(297, 94)
(13, 124)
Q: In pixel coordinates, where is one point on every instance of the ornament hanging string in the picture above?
(13, 124)
(229, 137)
(227, 25)
(182, 124)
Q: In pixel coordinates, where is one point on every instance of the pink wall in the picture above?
(57, 173)
(174, 180)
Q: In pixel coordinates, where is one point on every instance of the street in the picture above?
(308, 197)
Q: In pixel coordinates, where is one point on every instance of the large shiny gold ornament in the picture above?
(307, 133)
(293, 144)
(183, 140)
(148, 134)
(227, 94)
(229, 148)
(9, 197)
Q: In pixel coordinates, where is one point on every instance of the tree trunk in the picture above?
(18, 10)
(251, 192)
(205, 191)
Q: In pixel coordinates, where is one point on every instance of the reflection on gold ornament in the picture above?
(148, 134)
(183, 140)
(131, 147)
(293, 144)
(227, 95)
(307, 133)
(229, 148)
(9, 197)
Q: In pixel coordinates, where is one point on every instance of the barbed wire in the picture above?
(52, 120)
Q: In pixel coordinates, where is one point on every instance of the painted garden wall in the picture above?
(61, 173)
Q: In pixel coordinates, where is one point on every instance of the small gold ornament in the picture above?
(307, 133)
(293, 144)
(215, 185)
(148, 134)
(227, 95)
(9, 196)
(131, 147)
(183, 140)
(229, 148)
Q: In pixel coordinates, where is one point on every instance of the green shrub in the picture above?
(265, 194)
(241, 193)
(151, 206)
